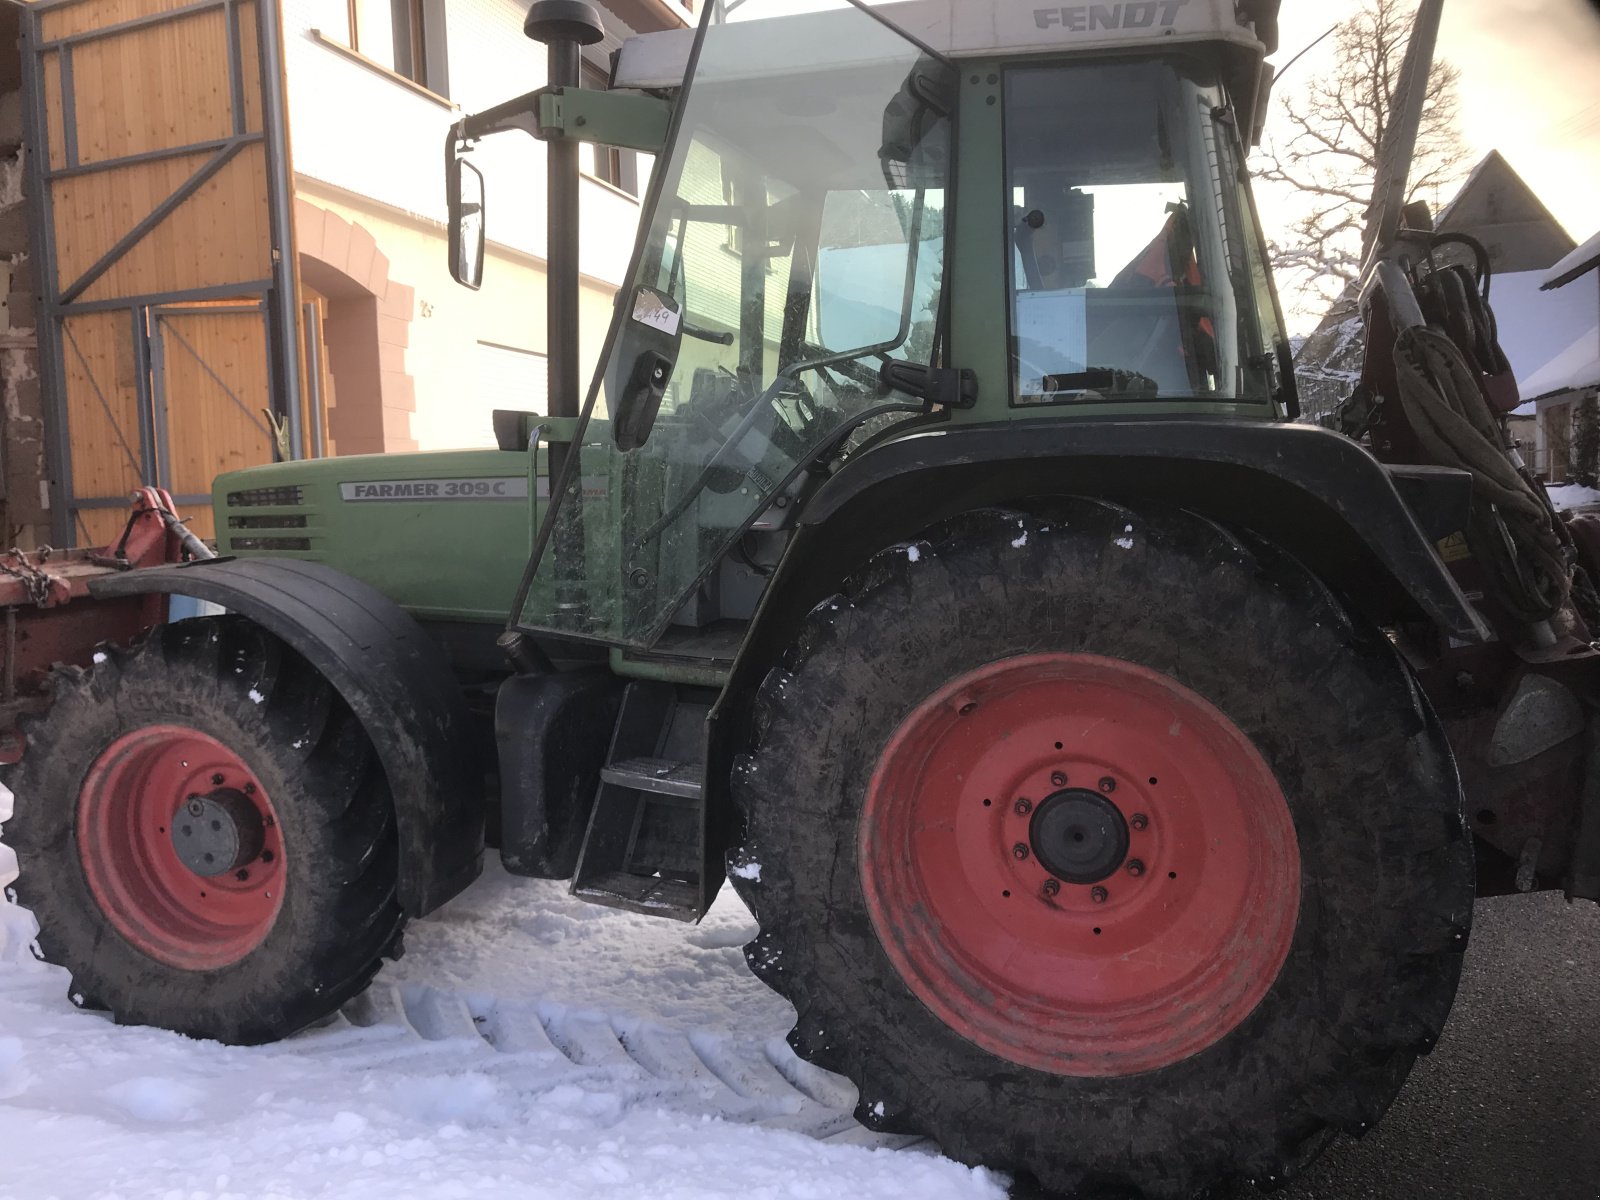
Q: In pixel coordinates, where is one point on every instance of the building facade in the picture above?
(222, 240)
(410, 360)
(1569, 379)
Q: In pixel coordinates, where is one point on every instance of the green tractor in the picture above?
(936, 555)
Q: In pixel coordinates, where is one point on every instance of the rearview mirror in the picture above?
(860, 294)
(464, 191)
(863, 257)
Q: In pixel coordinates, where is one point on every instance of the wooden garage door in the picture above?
(163, 194)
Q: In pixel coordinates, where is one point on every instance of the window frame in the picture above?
(1188, 71)
(423, 60)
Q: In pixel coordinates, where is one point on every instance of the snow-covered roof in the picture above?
(1580, 262)
(1538, 326)
(1578, 366)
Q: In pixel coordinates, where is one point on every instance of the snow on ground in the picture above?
(527, 1045)
(1573, 495)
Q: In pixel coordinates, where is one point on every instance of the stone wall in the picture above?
(24, 502)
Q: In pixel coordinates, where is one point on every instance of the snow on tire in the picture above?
(17, 926)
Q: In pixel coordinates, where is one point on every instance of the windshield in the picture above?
(795, 243)
(1133, 267)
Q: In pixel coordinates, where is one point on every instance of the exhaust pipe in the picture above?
(565, 27)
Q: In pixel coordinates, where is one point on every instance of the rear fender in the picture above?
(1314, 493)
(391, 674)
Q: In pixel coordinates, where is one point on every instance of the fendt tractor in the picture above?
(1110, 759)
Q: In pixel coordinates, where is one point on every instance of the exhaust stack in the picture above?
(565, 27)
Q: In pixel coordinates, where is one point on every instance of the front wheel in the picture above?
(205, 836)
(1104, 847)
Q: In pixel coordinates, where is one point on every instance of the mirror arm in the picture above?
(519, 113)
(580, 114)
(631, 122)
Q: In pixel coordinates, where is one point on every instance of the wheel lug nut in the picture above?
(1099, 895)
(195, 806)
(1019, 851)
(1108, 784)
(1051, 887)
(1135, 867)
(1059, 778)
(217, 779)
(1023, 806)
(243, 875)
(1139, 821)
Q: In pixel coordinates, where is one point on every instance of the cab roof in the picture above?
(822, 40)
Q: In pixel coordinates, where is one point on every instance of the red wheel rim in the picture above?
(130, 800)
(1155, 961)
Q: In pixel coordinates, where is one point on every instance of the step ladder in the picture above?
(644, 847)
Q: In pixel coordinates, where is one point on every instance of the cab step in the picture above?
(643, 849)
(659, 775)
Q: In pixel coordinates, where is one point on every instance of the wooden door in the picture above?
(162, 184)
(213, 410)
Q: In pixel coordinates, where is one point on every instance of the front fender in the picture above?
(391, 674)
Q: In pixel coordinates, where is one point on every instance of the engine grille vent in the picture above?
(283, 522)
(270, 543)
(281, 497)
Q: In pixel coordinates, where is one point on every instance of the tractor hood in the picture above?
(443, 534)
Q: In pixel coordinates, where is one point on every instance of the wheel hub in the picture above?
(181, 847)
(1079, 836)
(1129, 919)
(218, 833)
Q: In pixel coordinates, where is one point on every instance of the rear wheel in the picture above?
(1105, 848)
(205, 836)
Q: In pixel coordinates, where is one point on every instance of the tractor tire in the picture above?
(1104, 848)
(209, 738)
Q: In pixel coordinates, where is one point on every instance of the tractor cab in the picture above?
(869, 221)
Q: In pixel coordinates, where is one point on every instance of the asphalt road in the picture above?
(1507, 1107)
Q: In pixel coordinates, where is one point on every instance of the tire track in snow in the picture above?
(535, 1046)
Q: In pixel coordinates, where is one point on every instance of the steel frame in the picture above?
(276, 293)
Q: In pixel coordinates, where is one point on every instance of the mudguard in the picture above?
(1312, 492)
(391, 674)
(1315, 493)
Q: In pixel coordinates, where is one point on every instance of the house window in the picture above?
(619, 168)
(406, 36)
(508, 377)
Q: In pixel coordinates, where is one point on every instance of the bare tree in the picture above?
(1323, 142)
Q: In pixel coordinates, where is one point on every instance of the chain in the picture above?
(33, 580)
